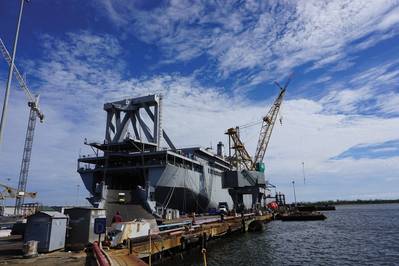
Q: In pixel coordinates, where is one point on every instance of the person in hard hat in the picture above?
(117, 218)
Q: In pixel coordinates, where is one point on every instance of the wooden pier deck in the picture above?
(177, 240)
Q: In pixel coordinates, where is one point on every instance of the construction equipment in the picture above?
(33, 103)
(268, 123)
(241, 158)
(9, 192)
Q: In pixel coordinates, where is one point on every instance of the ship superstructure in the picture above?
(131, 173)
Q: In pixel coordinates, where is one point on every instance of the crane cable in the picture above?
(257, 122)
(250, 124)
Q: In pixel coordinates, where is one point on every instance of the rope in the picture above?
(203, 251)
(170, 197)
(170, 192)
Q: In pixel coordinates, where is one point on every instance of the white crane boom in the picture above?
(33, 103)
(267, 127)
(268, 123)
(33, 100)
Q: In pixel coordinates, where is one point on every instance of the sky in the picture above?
(215, 62)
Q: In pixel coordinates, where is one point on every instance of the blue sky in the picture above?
(215, 62)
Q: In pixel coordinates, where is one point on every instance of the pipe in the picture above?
(101, 259)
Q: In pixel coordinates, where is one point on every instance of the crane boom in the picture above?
(32, 100)
(242, 157)
(33, 103)
(8, 192)
(267, 127)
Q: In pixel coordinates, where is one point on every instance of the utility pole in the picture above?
(303, 173)
(293, 186)
(77, 195)
(10, 72)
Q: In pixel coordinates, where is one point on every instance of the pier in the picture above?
(155, 247)
(173, 242)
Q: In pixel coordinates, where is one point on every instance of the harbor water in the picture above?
(351, 235)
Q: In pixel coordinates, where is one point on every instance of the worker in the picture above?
(117, 218)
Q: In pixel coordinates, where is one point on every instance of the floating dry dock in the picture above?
(176, 240)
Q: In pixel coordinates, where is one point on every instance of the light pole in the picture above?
(10, 71)
(77, 195)
(293, 186)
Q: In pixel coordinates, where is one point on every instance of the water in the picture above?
(351, 235)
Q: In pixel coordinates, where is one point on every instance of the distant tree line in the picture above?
(347, 202)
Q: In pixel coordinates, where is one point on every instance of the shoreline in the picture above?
(349, 202)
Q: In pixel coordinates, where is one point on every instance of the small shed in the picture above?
(47, 227)
(81, 226)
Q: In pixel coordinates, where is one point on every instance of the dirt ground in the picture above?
(11, 254)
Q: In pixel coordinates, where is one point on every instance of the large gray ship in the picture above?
(131, 173)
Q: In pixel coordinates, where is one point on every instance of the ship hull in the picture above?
(166, 187)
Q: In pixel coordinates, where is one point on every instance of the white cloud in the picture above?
(390, 19)
(389, 103)
(345, 100)
(372, 91)
(269, 38)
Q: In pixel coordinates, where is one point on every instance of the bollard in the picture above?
(129, 245)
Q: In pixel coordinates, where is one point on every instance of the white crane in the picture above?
(9, 192)
(33, 103)
(268, 123)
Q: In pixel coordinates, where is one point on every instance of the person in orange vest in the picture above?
(117, 218)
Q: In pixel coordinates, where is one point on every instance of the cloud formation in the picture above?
(268, 39)
(378, 150)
